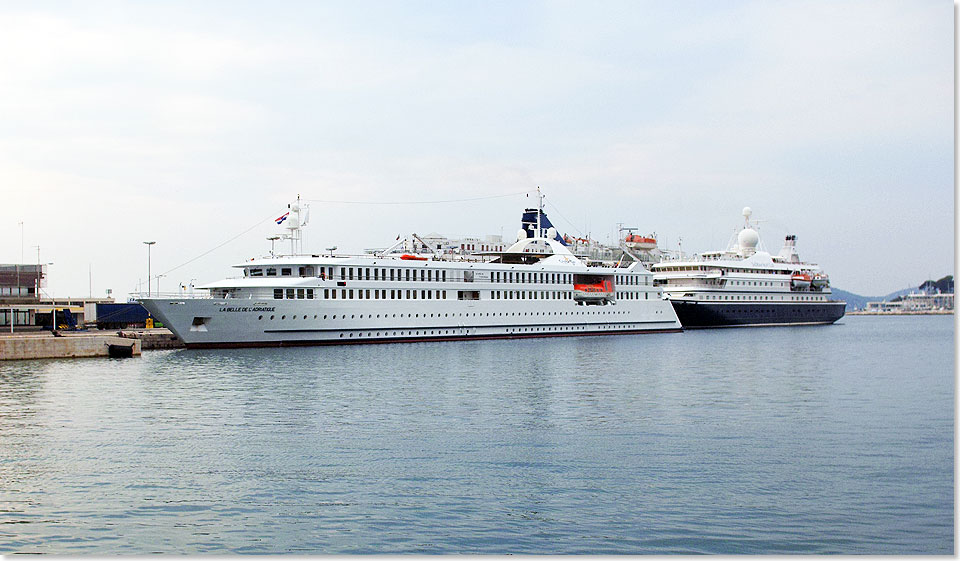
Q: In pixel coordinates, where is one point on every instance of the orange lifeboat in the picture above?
(800, 280)
(593, 292)
(634, 241)
(408, 257)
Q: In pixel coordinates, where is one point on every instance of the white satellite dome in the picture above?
(747, 211)
(521, 234)
(748, 238)
(551, 233)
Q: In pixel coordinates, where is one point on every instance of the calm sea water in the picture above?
(767, 440)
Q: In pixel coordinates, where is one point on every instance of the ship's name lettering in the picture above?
(248, 309)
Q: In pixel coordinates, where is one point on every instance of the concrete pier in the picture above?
(68, 345)
(152, 339)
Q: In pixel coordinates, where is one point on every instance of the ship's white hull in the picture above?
(209, 322)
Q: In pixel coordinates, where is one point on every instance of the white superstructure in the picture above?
(534, 288)
(744, 273)
(744, 285)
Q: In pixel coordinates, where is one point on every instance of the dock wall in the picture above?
(45, 345)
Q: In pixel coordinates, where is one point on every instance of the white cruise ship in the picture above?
(534, 288)
(746, 286)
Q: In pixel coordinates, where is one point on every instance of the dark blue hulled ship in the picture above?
(746, 286)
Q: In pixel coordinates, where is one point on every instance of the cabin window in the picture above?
(271, 272)
(360, 294)
(277, 293)
(300, 293)
(290, 293)
(285, 272)
(326, 293)
(256, 272)
(443, 276)
(468, 295)
(376, 274)
(351, 294)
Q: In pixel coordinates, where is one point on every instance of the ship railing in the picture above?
(185, 294)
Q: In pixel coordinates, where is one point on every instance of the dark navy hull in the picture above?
(729, 314)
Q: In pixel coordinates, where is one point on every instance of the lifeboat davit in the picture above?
(408, 257)
(634, 241)
(800, 280)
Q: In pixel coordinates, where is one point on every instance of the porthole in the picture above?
(271, 317)
(261, 317)
(283, 317)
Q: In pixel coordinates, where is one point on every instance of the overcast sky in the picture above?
(189, 123)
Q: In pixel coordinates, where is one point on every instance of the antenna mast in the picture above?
(539, 212)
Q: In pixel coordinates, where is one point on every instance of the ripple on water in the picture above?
(777, 441)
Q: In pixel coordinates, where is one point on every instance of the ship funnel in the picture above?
(529, 224)
(789, 250)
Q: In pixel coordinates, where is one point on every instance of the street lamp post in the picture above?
(148, 266)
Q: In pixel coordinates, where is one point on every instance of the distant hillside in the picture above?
(856, 301)
(942, 285)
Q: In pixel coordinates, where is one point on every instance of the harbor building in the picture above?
(914, 303)
(23, 304)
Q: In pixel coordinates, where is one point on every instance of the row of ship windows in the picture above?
(462, 314)
(508, 330)
(429, 275)
(756, 298)
(377, 294)
(725, 269)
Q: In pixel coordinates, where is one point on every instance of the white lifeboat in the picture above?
(820, 280)
(634, 241)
